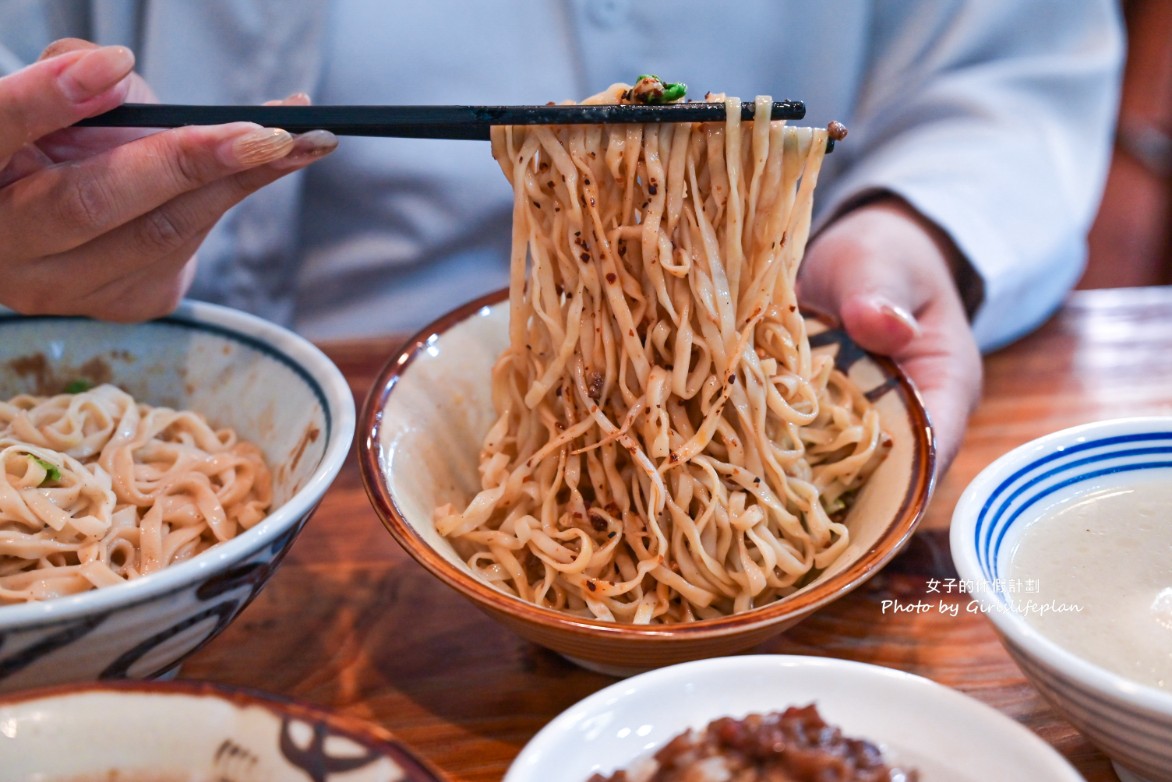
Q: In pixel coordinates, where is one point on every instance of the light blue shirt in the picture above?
(992, 117)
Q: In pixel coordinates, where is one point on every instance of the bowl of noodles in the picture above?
(154, 476)
(424, 427)
(643, 451)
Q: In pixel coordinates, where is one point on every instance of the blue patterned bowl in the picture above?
(270, 385)
(192, 730)
(1131, 722)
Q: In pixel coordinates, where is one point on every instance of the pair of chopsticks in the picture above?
(441, 122)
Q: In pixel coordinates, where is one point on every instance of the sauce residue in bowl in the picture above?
(1101, 568)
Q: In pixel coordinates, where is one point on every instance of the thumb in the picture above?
(880, 269)
(887, 277)
(875, 303)
(877, 323)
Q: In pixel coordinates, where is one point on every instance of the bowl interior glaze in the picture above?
(203, 358)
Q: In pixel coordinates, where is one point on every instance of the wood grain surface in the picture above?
(350, 622)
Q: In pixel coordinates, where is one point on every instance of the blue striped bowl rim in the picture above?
(1054, 472)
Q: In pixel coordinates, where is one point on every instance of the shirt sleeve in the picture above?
(994, 120)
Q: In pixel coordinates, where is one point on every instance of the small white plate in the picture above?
(945, 735)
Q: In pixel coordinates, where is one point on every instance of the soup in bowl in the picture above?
(1066, 543)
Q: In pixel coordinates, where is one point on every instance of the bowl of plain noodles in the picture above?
(154, 476)
(643, 451)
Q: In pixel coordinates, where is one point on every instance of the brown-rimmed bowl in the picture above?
(420, 435)
(192, 730)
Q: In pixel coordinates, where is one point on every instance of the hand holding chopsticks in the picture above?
(106, 224)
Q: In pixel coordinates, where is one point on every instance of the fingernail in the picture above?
(294, 99)
(308, 147)
(259, 146)
(903, 316)
(95, 72)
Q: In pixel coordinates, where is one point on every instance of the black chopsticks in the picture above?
(443, 122)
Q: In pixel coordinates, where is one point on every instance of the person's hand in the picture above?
(105, 222)
(886, 273)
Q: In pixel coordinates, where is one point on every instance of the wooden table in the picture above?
(351, 622)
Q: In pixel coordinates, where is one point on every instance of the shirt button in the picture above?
(609, 13)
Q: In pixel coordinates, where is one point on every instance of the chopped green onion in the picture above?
(672, 90)
(52, 471)
(78, 386)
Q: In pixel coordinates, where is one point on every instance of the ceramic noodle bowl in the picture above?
(1064, 640)
(187, 731)
(274, 388)
(423, 426)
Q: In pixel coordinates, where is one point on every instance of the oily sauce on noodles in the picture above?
(668, 447)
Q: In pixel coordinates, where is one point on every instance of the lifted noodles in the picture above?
(667, 448)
